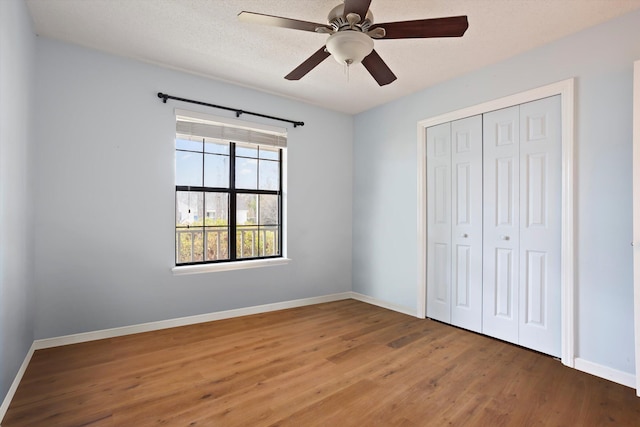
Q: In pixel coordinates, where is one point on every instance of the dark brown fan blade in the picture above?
(453, 26)
(378, 69)
(278, 21)
(361, 7)
(308, 65)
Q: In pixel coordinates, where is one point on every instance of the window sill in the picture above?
(228, 266)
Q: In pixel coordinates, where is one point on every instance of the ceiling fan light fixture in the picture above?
(352, 36)
(349, 47)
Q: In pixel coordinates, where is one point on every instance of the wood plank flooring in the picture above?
(343, 363)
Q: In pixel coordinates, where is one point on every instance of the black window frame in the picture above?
(232, 192)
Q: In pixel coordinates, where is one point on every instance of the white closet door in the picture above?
(501, 224)
(466, 234)
(439, 222)
(540, 225)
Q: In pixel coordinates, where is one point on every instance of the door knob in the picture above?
(465, 235)
(504, 237)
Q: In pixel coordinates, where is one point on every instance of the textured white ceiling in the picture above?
(205, 37)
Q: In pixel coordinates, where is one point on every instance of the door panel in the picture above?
(504, 192)
(535, 313)
(462, 275)
(536, 191)
(501, 142)
(439, 222)
(503, 286)
(540, 231)
(462, 189)
(441, 267)
(442, 209)
(466, 231)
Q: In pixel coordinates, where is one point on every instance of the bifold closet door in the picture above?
(454, 223)
(522, 225)
(540, 225)
(501, 158)
(466, 227)
(439, 222)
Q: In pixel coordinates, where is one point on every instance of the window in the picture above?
(229, 197)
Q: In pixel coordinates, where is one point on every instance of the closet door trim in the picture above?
(565, 89)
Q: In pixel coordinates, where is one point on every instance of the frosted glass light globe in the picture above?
(349, 47)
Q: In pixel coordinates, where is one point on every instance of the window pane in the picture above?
(217, 243)
(216, 171)
(246, 173)
(187, 144)
(216, 209)
(183, 246)
(269, 175)
(188, 169)
(269, 241)
(189, 208)
(246, 150)
(216, 147)
(247, 241)
(246, 209)
(253, 238)
(269, 153)
(269, 209)
(190, 246)
(253, 241)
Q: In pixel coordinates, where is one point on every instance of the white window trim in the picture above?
(228, 266)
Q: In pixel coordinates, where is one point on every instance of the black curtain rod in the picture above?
(238, 112)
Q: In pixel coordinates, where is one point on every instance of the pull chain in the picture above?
(347, 64)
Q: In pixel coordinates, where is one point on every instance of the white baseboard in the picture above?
(605, 372)
(15, 383)
(184, 321)
(209, 317)
(383, 304)
(155, 326)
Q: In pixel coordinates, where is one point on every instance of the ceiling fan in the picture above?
(351, 32)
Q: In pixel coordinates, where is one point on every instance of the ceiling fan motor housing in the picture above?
(339, 22)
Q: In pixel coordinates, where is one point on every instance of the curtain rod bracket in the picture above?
(164, 98)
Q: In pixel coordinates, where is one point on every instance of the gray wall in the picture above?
(104, 196)
(17, 65)
(385, 178)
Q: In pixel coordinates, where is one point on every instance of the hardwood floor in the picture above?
(343, 363)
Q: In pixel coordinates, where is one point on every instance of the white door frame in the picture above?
(636, 216)
(565, 89)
